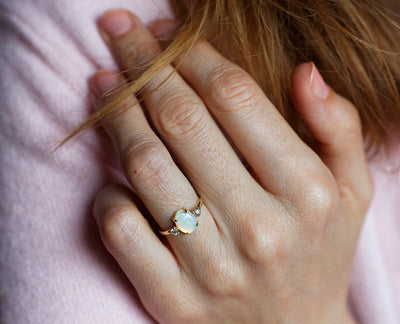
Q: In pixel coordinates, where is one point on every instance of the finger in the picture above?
(335, 125)
(182, 120)
(150, 169)
(148, 264)
(278, 157)
(163, 30)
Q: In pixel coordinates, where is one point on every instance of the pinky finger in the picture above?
(149, 264)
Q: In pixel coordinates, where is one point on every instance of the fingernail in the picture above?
(162, 28)
(115, 23)
(102, 82)
(317, 83)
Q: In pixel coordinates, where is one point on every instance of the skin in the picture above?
(275, 241)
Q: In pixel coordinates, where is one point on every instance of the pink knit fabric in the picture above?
(53, 266)
(375, 282)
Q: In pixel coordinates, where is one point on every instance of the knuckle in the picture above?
(352, 124)
(350, 121)
(146, 163)
(116, 226)
(259, 245)
(270, 248)
(234, 86)
(318, 194)
(227, 279)
(181, 116)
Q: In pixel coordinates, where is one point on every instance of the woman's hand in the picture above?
(274, 244)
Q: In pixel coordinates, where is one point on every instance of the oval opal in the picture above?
(185, 221)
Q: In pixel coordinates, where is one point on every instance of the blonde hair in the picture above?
(354, 43)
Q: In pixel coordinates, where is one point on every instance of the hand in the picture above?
(274, 245)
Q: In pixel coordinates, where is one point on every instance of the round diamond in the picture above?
(173, 231)
(185, 221)
(196, 211)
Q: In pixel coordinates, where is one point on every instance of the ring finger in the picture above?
(148, 166)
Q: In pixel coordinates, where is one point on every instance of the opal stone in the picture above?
(185, 221)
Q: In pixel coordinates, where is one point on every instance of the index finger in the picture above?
(280, 159)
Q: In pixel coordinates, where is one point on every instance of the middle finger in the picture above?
(185, 124)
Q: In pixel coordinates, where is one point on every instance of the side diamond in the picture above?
(196, 211)
(173, 231)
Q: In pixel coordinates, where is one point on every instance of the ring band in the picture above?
(185, 220)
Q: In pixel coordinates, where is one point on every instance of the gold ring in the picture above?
(186, 221)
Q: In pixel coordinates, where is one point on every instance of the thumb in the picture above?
(335, 125)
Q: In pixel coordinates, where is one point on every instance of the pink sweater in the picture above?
(53, 266)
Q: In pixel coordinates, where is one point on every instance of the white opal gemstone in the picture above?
(185, 221)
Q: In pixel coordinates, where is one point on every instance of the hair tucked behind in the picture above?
(354, 43)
